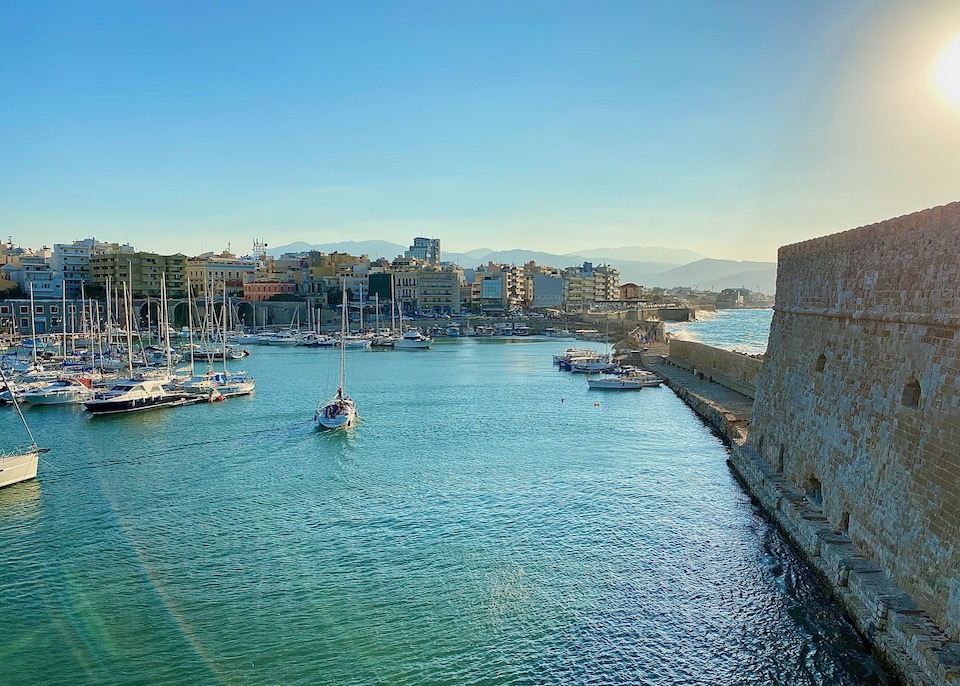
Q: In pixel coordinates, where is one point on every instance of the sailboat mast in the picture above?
(393, 302)
(164, 316)
(344, 324)
(223, 318)
(190, 320)
(109, 319)
(126, 294)
(63, 315)
(33, 327)
(16, 403)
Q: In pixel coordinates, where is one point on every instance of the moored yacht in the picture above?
(412, 340)
(65, 391)
(132, 395)
(215, 385)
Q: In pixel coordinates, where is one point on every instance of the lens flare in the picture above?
(948, 72)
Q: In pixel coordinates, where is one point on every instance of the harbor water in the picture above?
(490, 521)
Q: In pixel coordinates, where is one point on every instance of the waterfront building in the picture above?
(70, 262)
(732, 298)
(47, 316)
(438, 289)
(405, 290)
(221, 270)
(35, 275)
(321, 272)
(425, 250)
(548, 291)
(142, 271)
(630, 291)
(258, 291)
(587, 285)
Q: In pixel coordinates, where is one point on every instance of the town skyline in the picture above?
(730, 131)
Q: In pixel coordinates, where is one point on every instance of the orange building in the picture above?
(258, 291)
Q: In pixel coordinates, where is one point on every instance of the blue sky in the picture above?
(729, 128)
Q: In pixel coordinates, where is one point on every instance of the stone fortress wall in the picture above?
(855, 436)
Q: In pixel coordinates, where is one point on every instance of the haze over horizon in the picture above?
(725, 129)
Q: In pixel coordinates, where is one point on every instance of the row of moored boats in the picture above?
(611, 375)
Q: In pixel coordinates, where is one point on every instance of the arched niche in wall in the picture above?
(910, 397)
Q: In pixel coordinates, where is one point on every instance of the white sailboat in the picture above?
(340, 412)
(19, 464)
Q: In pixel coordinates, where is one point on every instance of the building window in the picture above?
(24, 323)
(4, 309)
(54, 309)
(24, 309)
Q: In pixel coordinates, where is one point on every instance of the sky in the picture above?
(725, 127)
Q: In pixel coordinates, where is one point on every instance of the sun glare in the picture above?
(948, 72)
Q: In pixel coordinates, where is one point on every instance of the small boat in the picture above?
(569, 353)
(213, 384)
(635, 380)
(383, 341)
(279, 338)
(340, 412)
(19, 464)
(356, 342)
(412, 340)
(594, 363)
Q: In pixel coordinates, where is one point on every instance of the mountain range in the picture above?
(647, 266)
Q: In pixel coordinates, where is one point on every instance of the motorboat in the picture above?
(136, 394)
(66, 391)
(634, 380)
(215, 385)
(278, 338)
(356, 342)
(569, 353)
(413, 340)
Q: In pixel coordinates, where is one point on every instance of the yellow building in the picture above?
(219, 270)
(143, 271)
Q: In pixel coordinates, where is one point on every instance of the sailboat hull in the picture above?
(331, 417)
(17, 468)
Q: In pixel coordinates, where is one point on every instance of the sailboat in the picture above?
(21, 463)
(340, 412)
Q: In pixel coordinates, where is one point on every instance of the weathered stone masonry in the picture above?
(855, 436)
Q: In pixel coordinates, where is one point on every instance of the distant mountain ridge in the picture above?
(719, 274)
(638, 253)
(658, 270)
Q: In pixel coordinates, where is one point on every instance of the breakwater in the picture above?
(850, 446)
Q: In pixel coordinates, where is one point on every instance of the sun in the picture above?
(947, 74)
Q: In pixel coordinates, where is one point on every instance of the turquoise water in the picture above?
(490, 521)
(744, 330)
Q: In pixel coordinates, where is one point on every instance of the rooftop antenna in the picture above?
(259, 249)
